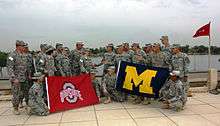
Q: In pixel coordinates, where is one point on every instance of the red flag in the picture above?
(203, 31)
(70, 92)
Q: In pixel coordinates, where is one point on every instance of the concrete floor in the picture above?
(202, 109)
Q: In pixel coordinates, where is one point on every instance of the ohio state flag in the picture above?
(203, 31)
(70, 92)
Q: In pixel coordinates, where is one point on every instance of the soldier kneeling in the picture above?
(175, 96)
(37, 105)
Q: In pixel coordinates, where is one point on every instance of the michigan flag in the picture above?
(139, 79)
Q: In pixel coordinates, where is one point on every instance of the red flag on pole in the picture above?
(70, 92)
(203, 31)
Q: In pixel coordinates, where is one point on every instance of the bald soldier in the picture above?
(17, 64)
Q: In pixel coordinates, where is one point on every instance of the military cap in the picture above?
(146, 45)
(156, 44)
(66, 48)
(175, 46)
(175, 73)
(111, 68)
(118, 46)
(37, 75)
(43, 46)
(26, 45)
(164, 38)
(49, 48)
(20, 43)
(79, 43)
(59, 45)
(110, 45)
(125, 43)
(93, 71)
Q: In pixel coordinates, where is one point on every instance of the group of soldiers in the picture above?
(61, 61)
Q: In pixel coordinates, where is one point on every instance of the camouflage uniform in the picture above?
(109, 57)
(58, 60)
(36, 100)
(159, 60)
(86, 64)
(75, 56)
(137, 54)
(181, 63)
(17, 64)
(40, 62)
(65, 66)
(174, 93)
(50, 65)
(108, 86)
(97, 87)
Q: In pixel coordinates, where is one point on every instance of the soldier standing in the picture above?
(173, 93)
(121, 55)
(86, 64)
(180, 61)
(41, 58)
(166, 47)
(108, 58)
(57, 58)
(64, 63)
(50, 68)
(17, 64)
(75, 56)
(148, 51)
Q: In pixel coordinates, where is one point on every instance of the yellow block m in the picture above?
(146, 77)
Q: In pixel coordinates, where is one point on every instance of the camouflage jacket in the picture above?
(160, 60)
(97, 87)
(86, 64)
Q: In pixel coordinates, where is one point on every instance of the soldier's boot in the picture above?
(137, 100)
(15, 111)
(146, 101)
(178, 109)
(214, 91)
(28, 110)
(189, 94)
(107, 101)
(21, 105)
(165, 106)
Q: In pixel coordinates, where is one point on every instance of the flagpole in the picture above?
(209, 56)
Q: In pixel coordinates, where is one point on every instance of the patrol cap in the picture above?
(111, 68)
(164, 37)
(43, 46)
(50, 48)
(175, 46)
(147, 45)
(156, 44)
(125, 43)
(135, 44)
(175, 73)
(59, 45)
(118, 46)
(20, 43)
(66, 48)
(36, 76)
(26, 45)
(93, 71)
(110, 45)
(79, 43)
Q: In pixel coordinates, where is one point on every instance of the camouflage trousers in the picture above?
(24, 89)
(19, 91)
(38, 107)
(115, 95)
(177, 105)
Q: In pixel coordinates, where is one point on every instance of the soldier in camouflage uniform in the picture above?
(64, 63)
(108, 86)
(166, 48)
(108, 58)
(139, 57)
(36, 100)
(41, 58)
(50, 68)
(29, 80)
(86, 64)
(173, 93)
(57, 58)
(75, 56)
(180, 61)
(17, 64)
(148, 51)
(96, 84)
(159, 58)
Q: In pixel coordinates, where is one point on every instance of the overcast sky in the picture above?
(99, 21)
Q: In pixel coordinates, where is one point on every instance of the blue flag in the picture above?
(139, 79)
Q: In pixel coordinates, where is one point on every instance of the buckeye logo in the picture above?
(70, 93)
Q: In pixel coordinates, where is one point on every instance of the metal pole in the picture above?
(209, 56)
